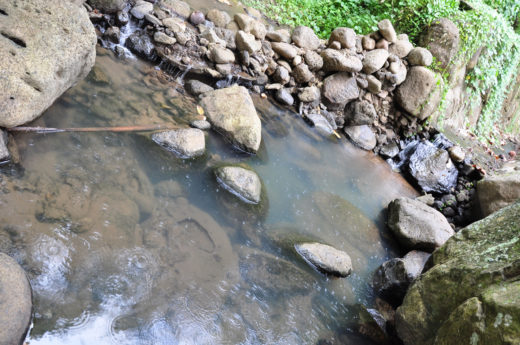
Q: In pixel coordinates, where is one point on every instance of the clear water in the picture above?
(126, 244)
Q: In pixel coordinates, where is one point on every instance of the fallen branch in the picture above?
(42, 130)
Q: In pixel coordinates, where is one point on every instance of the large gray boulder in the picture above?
(339, 89)
(442, 39)
(15, 302)
(46, 46)
(185, 143)
(470, 295)
(232, 112)
(325, 258)
(242, 182)
(420, 93)
(501, 189)
(417, 225)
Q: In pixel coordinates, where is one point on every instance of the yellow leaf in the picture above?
(200, 110)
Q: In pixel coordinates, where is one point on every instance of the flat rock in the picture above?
(161, 37)
(185, 143)
(16, 302)
(420, 57)
(362, 136)
(46, 46)
(337, 61)
(196, 87)
(500, 189)
(325, 258)
(304, 37)
(374, 60)
(418, 226)
(231, 112)
(141, 9)
(280, 35)
(242, 182)
(339, 89)
(345, 36)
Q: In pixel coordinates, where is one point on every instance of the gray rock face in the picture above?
(420, 57)
(374, 60)
(219, 18)
(4, 152)
(285, 50)
(325, 258)
(141, 9)
(185, 143)
(16, 302)
(140, 44)
(362, 136)
(107, 6)
(304, 37)
(345, 36)
(244, 183)
(501, 189)
(418, 226)
(336, 61)
(392, 279)
(420, 92)
(41, 55)
(387, 30)
(339, 89)
(401, 48)
(232, 112)
(245, 41)
(360, 113)
(196, 87)
(432, 168)
(178, 7)
(442, 38)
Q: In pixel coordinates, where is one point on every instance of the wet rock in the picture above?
(219, 18)
(247, 42)
(201, 124)
(420, 93)
(242, 182)
(175, 25)
(221, 55)
(401, 48)
(284, 96)
(281, 35)
(476, 270)
(309, 94)
(428, 199)
(320, 123)
(360, 112)
(339, 89)
(212, 37)
(325, 258)
(432, 168)
(285, 50)
(152, 20)
(387, 30)
(232, 112)
(122, 18)
(313, 60)
(185, 143)
(389, 150)
(304, 37)
(345, 36)
(368, 43)
(362, 136)
(374, 85)
(336, 61)
(161, 37)
(140, 44)
(501, 189)
(418, 226)
(41, 55)
(281, 75)
(420, 57)
(457, 154)
(374, 60)
(197, 17)
(442, 38)
(177, 7)
(141, 9)
(16, 302)
(112, 34)
(302, 74)
(4, 152)
(107, 6)
(196, 87)
(392, 279)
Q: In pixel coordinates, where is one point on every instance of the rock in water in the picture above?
(242, 182)
(185, 143)
(16, 302)
(432, 168)
(140, 44)
(500, 189)
(472, 288)
(362, 136)
(231, 111)
(46, 47)
(417, 225)
(325, 258)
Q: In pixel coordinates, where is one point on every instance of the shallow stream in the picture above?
(126, 244)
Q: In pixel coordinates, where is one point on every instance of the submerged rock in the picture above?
(501, 189)
(231, 111)
(471, 290)
(16, 302)
(418, 226)
(242, 182)
(325, 258)
(185, 143)
(47, 46)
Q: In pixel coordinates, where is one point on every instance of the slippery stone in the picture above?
(284, 96)
(107, 6)
(304, 37)
(242, 182)
(4, 151)
(140, 44)
(418, 226)
(196, 87)
(41, 55)
(221, 55)
(185, 143)
(325, 258)
(231, 112)
(362, 136)
(161, 37)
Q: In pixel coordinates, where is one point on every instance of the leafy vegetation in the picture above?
(488, 24)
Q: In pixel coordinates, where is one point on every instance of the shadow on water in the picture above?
(124, 243)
